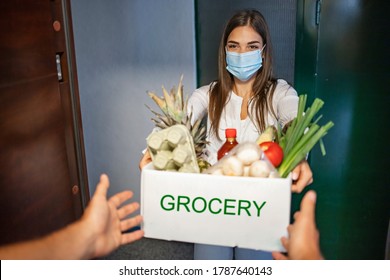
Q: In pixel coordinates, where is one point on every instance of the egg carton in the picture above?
(172, 149)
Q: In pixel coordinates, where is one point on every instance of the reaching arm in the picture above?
(97, 233)
(303, 240)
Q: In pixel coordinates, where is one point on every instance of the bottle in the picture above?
(231, 142)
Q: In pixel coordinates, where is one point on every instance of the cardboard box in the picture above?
(221, 210)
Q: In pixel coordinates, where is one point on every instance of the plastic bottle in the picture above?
(231, 142)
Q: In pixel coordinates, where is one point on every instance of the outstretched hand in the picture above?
(303, 240)
(107, 222)
(100, 230)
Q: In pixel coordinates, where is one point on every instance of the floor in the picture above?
(153, 249)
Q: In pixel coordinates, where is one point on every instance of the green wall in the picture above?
(343, 58)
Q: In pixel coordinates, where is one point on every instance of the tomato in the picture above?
(273, 152)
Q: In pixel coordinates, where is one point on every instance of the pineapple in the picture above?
(174, 111)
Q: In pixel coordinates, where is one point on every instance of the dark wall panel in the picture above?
(349, 52)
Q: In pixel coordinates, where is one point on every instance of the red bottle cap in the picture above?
(231, 133)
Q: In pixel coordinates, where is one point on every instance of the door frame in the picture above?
(78, 149)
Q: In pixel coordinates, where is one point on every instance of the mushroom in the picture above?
(259, 168)
(217, 171)
(246, 170)
(232, 166)
(248, 153)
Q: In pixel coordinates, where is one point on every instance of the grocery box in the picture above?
(231, 211)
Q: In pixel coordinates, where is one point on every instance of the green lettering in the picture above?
(211, 210)
(226, 206)
(186, 201)
(170, 204)
(259, 208)
(204, 204)
(214, 205)
(244, 207)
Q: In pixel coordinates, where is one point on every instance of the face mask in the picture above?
(244, 65)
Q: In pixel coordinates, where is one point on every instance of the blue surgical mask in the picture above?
(244, 65)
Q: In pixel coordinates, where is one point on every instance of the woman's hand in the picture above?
(302, 176)
(145, 160)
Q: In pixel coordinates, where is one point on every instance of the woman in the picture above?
(248, 98)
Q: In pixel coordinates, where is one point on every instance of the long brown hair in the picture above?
(264, 84)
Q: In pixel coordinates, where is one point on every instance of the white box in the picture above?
(218, 210)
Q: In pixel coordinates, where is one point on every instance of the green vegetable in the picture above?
(302, 135)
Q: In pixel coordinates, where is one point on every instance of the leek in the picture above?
(302, 135)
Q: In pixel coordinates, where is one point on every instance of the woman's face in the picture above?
(244, 39)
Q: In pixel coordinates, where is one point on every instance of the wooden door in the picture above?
(42, 168)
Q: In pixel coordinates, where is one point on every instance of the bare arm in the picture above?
(303, 240)
(97, 233)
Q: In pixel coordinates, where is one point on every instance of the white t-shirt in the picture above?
(285, 105)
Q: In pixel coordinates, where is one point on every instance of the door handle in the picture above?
(59, 68)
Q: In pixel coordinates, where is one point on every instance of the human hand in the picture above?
(303, 240)
(105, 221)
(146, 158)
(302, 176)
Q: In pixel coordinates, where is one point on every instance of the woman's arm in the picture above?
(198, 103)
(286, 101)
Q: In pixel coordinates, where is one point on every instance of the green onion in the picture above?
(302, 135)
